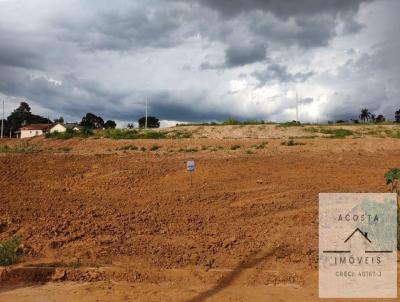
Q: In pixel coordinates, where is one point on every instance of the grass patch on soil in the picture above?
(8, 251)
(392, 134)
(188, 150)
(177, 134)
(331, 133)
(18, 149)
(127, 148)
(235, 147)
(130, 134)
(260, 146)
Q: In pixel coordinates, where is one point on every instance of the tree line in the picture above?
(23, 116)
(366, 116)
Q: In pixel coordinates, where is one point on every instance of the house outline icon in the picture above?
(357, 230)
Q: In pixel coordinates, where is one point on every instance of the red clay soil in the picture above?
(246, 230)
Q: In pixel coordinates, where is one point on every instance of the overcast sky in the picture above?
(201, 60)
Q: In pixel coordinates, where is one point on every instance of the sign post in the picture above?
(190, 167)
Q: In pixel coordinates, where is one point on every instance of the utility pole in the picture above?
(2, 123)
(297, 107)
(145, 124)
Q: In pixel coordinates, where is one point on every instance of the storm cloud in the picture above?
(200, 60)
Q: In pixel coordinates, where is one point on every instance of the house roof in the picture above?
(67, 125)
(71, 125)
(42, 127)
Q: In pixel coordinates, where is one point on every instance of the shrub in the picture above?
(290, 124)
(249, 152)
(142, 149)
(8, 251)
(231, 121)
(235, 147)
(392, 178)
(291, 142)
(84, 133)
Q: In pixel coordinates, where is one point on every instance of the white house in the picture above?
(34, 130)
(64, 127)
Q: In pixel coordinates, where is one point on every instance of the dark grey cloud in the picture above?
(15, 52)
(303, 23)
(138, 24)
(279, 73)
(240, 54)
(107, 57)
(283, 9)
(173, 105)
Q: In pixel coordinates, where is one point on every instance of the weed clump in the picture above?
(290, 124)
(291, 142)
(260, 146)
(9, 251)
(127, 148)
(20, 149)
(188, 150)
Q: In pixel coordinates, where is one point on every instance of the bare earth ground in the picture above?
(99, 224)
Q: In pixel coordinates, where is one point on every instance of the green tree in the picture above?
(59, 120)
(365, 115)
(92, 121)
(397, 116)
(380, 119)
(372, 118)
(152, 122)
(110, 124)
(22, 116)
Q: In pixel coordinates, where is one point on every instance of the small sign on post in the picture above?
(190, 167)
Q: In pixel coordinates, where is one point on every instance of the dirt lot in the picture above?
(104, 224)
